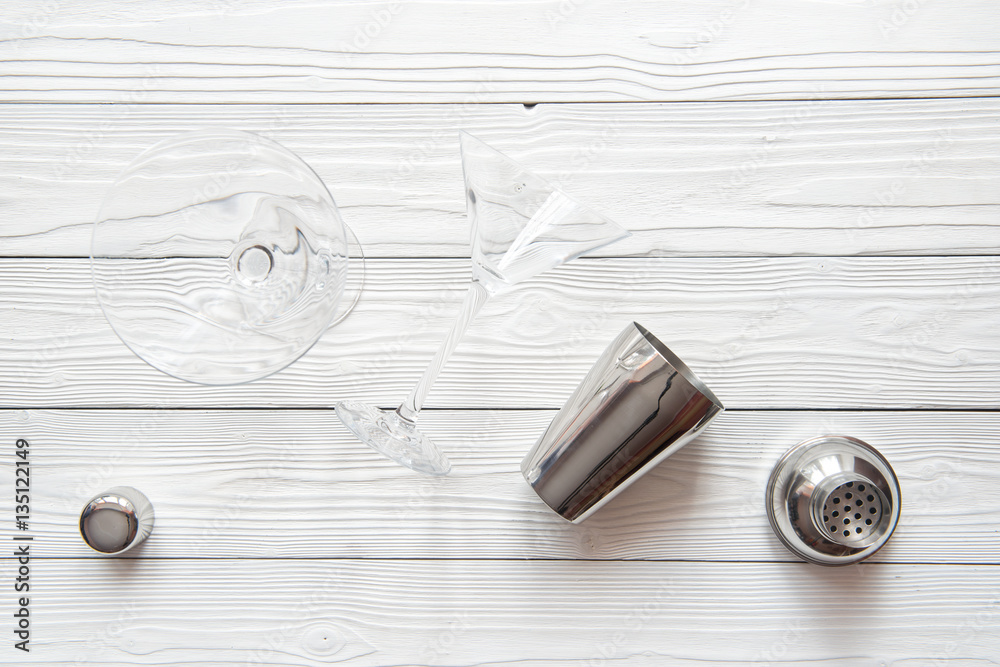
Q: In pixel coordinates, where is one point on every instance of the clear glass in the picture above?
(521, 226)
(219, 257)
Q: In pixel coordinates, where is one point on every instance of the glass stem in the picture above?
(475, 299)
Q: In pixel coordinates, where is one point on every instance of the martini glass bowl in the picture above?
(522, 225)
(219, 257)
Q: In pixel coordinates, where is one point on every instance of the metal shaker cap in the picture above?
(833, 500)
(116, 520)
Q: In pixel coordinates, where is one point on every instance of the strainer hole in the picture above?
(844, 510)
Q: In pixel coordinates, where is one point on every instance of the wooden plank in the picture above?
(776, 178)
(763, 333)
(295, 484)
(539, 51)
(304, 613)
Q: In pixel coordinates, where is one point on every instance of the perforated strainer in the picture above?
(833, 500)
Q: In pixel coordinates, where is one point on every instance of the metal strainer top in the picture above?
(833, 500)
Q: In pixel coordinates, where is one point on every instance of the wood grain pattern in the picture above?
(776, 178)
(225, 612)
(822, 248)
(539, 51)
(763, 333)
(295, 484)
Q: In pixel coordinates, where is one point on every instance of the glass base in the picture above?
(392, 436)
(222, 278)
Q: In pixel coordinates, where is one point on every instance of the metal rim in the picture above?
(127, 501)
(827, 551)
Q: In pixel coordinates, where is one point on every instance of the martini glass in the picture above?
(219, 257)
(522, 225)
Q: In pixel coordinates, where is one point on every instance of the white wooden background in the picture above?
(814, 191)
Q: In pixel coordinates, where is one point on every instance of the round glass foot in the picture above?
(392, 436)
(219, 257)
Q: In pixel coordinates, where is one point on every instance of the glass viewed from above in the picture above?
(219, 257)
(521, 226)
